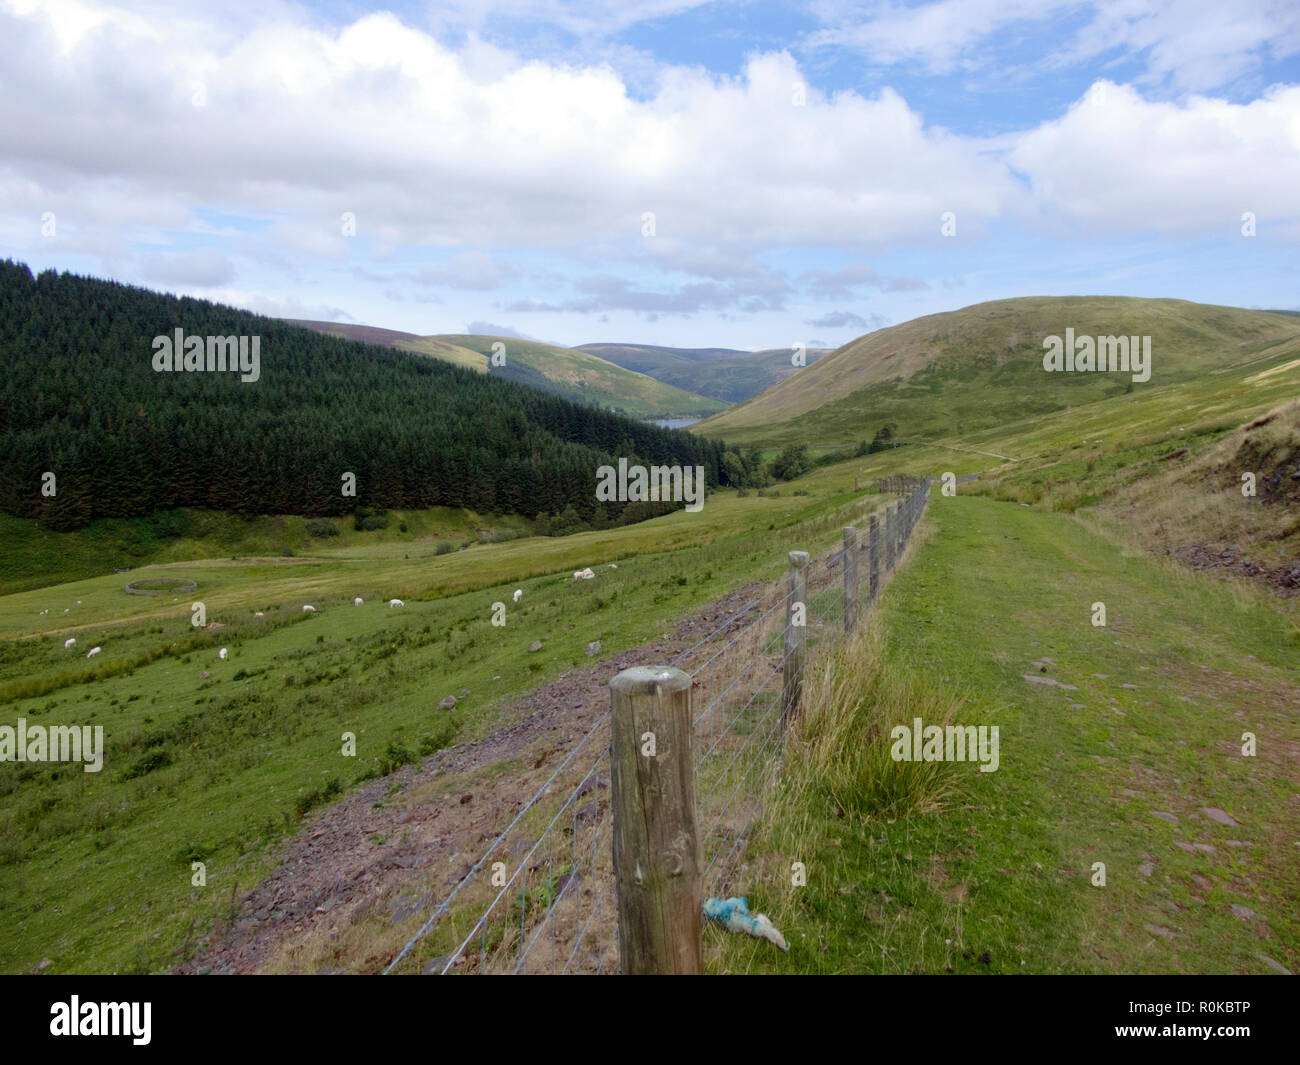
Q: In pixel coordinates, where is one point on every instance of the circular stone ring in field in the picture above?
(160, 586)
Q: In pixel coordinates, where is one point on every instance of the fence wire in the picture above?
(541, 898)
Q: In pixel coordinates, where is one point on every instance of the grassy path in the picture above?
(1119, 770)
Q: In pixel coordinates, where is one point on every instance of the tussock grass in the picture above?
(839, 749)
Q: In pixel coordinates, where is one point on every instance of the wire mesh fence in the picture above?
(541, 898)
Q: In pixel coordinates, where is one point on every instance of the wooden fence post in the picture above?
(796, 612)
(873, 546)
(850, 578)
(656, 847)
(891, 522)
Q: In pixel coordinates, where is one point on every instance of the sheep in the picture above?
(69, 642)
(308, 608)
(583, 574)
(258, 614)
(222, 654)
(519, 594)
(357, 601)
(92, 652)
(45, 611)
(396, 602)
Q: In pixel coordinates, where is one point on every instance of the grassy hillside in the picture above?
(1132, 767)
(723, 373)
(217, 760)
(395, 338)
(950, 375)
(569, 372)
(577, 374)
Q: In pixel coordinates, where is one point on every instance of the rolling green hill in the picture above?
(568, 372)
(723, 373)
(951, 374)
(395, 338)
(577, 374)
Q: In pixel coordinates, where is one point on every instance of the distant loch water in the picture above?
(674, 423)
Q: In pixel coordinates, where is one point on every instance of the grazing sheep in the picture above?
(222, 654)
(519, 594)
(308, 608)
(92, 652)
(69, 642)
(613, 565)
(357, 601)
(46, 611)
(258, 614)
(583, 574)
(396, 602)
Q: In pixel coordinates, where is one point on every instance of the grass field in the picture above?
(216, 761)
(993, 872)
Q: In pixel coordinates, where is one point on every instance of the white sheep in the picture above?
(396, 602)
(222, 654)
(69, 642)
(308, 608)
(583, 574)
(92, 652)
(519, 594)
(258, 614)
(357, 601)
(45, 611)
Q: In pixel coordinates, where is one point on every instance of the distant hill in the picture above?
(84, 398)
(568, 372)
(723, 373)
(957, 372)
(395, 338)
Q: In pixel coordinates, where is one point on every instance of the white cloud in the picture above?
(1117, 163)
(381, 120)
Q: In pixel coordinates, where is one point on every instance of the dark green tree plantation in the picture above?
(81, 399)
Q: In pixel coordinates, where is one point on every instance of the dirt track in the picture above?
(434, 818)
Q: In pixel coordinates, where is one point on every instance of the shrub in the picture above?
(321, 527)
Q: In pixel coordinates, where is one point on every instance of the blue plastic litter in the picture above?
(733, 914)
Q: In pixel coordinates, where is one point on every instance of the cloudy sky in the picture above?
(722, 173)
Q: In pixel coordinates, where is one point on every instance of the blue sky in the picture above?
(699, 174)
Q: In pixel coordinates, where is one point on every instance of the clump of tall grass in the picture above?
(838, 753)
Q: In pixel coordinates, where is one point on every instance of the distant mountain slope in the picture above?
(723, 373)
(953, 373)
(568, 372)
(395, 338)
(582, 375)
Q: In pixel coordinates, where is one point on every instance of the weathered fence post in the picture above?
(891, 523)
(796, 611)
(873, 545)
(850, 578)
(656, 848)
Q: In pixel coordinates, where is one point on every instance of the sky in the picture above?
(696, 174)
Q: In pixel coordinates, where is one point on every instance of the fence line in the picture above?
(543, 898)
